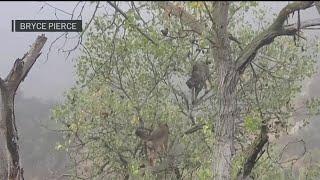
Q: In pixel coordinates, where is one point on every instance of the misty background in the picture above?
(49, 79)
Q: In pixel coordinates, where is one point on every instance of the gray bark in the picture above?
(227, 77)
(3, 158)
(9, 150)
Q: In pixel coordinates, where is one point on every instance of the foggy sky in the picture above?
(47, 80)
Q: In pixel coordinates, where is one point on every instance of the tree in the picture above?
(130, 75)
(10, 160)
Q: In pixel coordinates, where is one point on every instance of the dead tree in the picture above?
(10, 165)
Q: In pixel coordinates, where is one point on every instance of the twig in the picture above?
(58, 9)
(125, 16)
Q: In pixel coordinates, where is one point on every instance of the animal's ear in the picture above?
(189, 83)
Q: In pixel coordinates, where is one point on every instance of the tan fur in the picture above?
(157, 142)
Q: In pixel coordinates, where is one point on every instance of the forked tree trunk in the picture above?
(10, 164)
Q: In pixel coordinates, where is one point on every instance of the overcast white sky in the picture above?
(47, 80)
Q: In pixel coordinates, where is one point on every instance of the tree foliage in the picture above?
(124, 79)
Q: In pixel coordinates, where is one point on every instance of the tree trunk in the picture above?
(10, 132)
(3, 145)
(10, 165)
(224, 126)
(3, 158)
(227, 79)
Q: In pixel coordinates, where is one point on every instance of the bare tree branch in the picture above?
(134, 25)
(295, 158)
(57, 9)
(253, 151)
(266, 37)
(84, 30)
(304, 24)
(194, 129)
